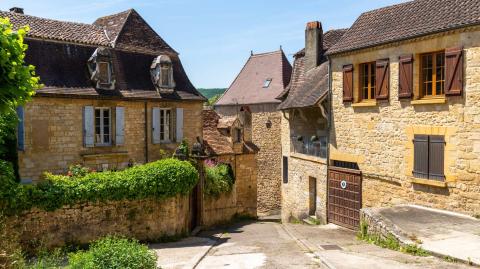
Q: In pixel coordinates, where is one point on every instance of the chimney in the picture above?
(313, 45)
(18, 10)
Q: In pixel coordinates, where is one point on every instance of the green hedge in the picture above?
(219, 179)
(161, 179)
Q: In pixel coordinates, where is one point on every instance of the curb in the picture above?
(199, 259)
(309, 247)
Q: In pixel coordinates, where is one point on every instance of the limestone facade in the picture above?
(379, 137)
(54, 137)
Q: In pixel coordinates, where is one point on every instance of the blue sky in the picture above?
(215, 37)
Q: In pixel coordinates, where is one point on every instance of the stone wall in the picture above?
(242, 200)
(54, 135)
(296, 192)
(379, 138)
(147, 220)
(269, 158)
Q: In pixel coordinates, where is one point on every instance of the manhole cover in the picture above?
(330, 247)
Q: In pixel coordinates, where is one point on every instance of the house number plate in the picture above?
(343, 184)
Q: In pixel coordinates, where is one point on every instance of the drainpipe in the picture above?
(146, 132)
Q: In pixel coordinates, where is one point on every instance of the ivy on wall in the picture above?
(218, 179)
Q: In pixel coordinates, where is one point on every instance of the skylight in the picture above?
(267, 82)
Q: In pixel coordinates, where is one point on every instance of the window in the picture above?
(310, 145)
(428, 157)
(367, 81)
(165, 115)
(432, 74)
(165, 74)
(238, 135)
(161, 72)
(102, 126)
(104, 72)
(267, 82)
(285, 169)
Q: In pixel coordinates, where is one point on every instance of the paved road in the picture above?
(257, 245)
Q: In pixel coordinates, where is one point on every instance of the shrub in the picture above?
(218, 179)
(78, 171)
(112, 253)
(160, 179)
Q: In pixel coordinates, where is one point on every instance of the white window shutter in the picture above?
(88, 128)
(120, 125)
(179, 125)
(156, 125)
(21, 128)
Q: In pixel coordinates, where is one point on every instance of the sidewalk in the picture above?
(338, 248)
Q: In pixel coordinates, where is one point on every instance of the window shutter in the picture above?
(382, 73)
(405, 76)
(285, 169)
(420, 166)
(156, 125)
(436, 157)
(179, 124)
(21, 128)
(119, 125)
(348, 83)
(454, 71)
(88, 128)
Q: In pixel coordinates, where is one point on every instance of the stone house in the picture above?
(223, 142)
(115, 93)
(305, 108)
(251, 97)
(406, 110)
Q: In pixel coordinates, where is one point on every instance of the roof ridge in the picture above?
(44, 18)
(115, 14)
(266, 53)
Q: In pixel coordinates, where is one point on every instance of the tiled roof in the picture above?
(408, 20)
(217, 142)
(248, 86)
(58, 30)
(306, 88)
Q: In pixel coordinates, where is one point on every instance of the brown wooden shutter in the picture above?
(405, 76)
(454, 71)
(348, 83)
(382, 73)
(420, 156)
(436, 153)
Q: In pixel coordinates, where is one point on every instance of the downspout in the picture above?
(146, 132)
(330, 113)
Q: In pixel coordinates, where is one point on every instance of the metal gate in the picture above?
(344, 197)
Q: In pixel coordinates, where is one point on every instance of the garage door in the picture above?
(344, 197)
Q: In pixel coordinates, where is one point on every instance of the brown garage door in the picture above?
(344, 197)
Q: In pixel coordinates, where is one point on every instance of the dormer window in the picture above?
(101, 69)
(161, 72)
(267, 82)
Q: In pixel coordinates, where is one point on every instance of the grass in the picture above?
(390, 242)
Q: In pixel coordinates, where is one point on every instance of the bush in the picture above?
(219, 179)
(160, 179)
(112, 253)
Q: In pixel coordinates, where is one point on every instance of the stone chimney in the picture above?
(313, 45)
(18, 10)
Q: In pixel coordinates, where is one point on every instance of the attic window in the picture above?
(267, 82)
(104, 75)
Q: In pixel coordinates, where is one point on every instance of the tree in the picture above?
(17, 80)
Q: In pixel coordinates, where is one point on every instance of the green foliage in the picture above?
(112, 253)
(212, 100)
(48, 260)
(184, 149)
(209, 93)
(8, 138)
(17, 80)
(389, 242)
(218, 179)
(160, 179)
(78, 170)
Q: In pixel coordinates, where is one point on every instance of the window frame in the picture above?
(267, 83)
(165, 69)
(102, 142)
(167, 135)
(422, 89)
(109, 73)
(371, 87)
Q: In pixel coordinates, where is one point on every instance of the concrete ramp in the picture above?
(440, 232)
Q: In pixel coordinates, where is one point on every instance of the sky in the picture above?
(215, 37)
